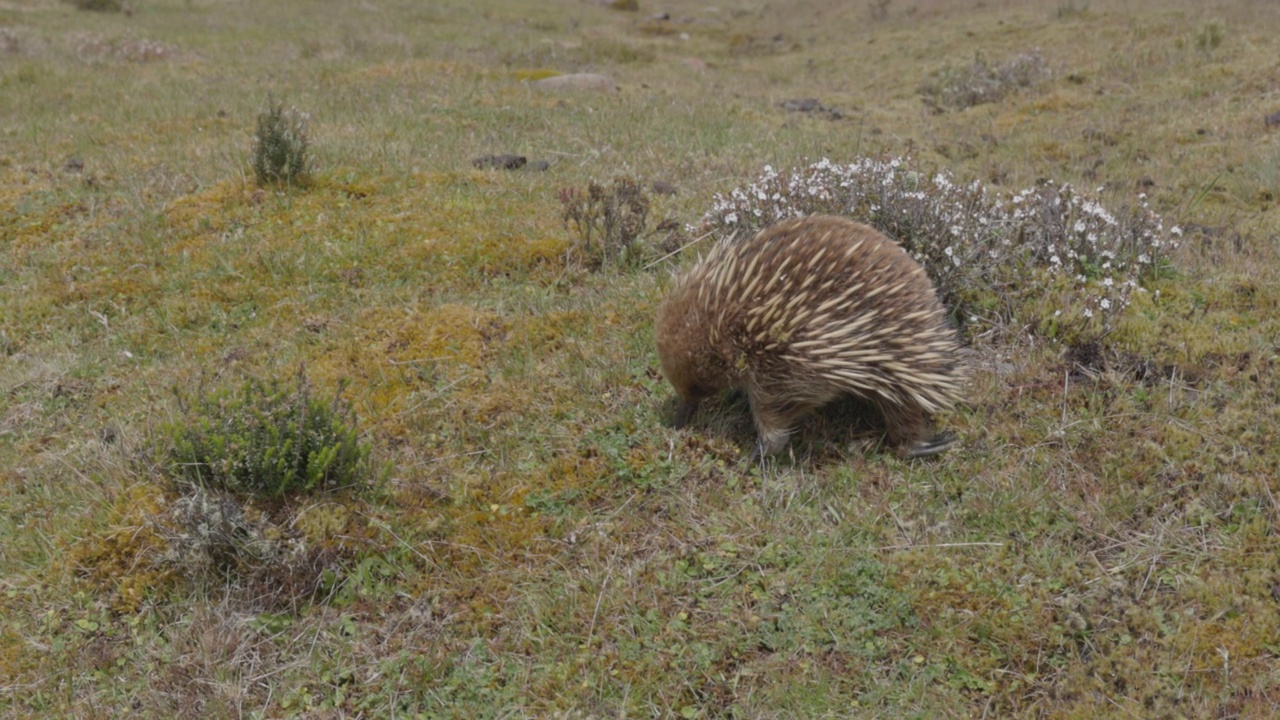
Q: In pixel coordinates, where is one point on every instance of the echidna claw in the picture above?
(938, 444)
(684, 413)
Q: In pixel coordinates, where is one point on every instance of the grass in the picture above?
(1102, 543)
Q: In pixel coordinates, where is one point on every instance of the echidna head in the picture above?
(689, 361)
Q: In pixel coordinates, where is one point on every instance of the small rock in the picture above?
(74, 164)
(662, 187)
(802, 105)
(505, 161)
(578, 81)
(811, 106)
(694, 63)
(1273, 120)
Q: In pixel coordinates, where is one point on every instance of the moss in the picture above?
(534, 74)
(124, 560)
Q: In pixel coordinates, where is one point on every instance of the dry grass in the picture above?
(1103, 543)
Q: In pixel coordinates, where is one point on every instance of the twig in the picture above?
(681, 249)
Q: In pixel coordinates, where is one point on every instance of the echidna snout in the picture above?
(804, 312)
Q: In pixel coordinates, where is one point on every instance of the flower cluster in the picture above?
(990, 256)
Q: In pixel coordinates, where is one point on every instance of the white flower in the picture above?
(1105, 303)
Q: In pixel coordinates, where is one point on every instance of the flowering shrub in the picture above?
(990, 257)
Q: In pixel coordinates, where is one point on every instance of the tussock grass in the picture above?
(1101, 543)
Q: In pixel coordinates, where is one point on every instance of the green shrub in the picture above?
(280, 145)
(98, 5)
(269, 439)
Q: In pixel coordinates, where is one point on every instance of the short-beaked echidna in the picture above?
(804, 312)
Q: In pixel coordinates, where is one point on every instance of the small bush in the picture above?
(608, 222)
(990, 257)
(268, 439)
(280, 145)
(1211, 36)
(98, 5)
(956, 88)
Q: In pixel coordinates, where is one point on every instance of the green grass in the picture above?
(1102, 543)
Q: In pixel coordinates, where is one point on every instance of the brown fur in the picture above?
(806, 311)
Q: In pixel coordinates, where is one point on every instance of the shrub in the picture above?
(956, 88)
(990, 257)
(280, 145)
(608, 221)
(98, 5)
(268, 439)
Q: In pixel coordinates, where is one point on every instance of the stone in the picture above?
(578, 81)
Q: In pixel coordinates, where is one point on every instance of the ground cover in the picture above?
(533, 538)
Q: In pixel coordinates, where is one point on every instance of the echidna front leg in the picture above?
(774, 422)
(909, 430)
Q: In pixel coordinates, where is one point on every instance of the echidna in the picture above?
(806, 311)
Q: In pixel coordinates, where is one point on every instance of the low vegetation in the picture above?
(266, 439)
(473, 505)
(280, 145)
(995, 259)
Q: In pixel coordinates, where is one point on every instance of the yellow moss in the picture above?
(355, 189)
(1053, 102)
(332, 526)
(203, 210)
(393, 352)
(416, 70)
(534, 74)
(123, 558)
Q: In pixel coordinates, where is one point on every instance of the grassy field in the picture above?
(536, 540)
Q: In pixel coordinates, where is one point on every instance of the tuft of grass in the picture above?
(280, 145)
(269, 439)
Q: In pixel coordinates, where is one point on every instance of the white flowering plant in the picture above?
(992, 257)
